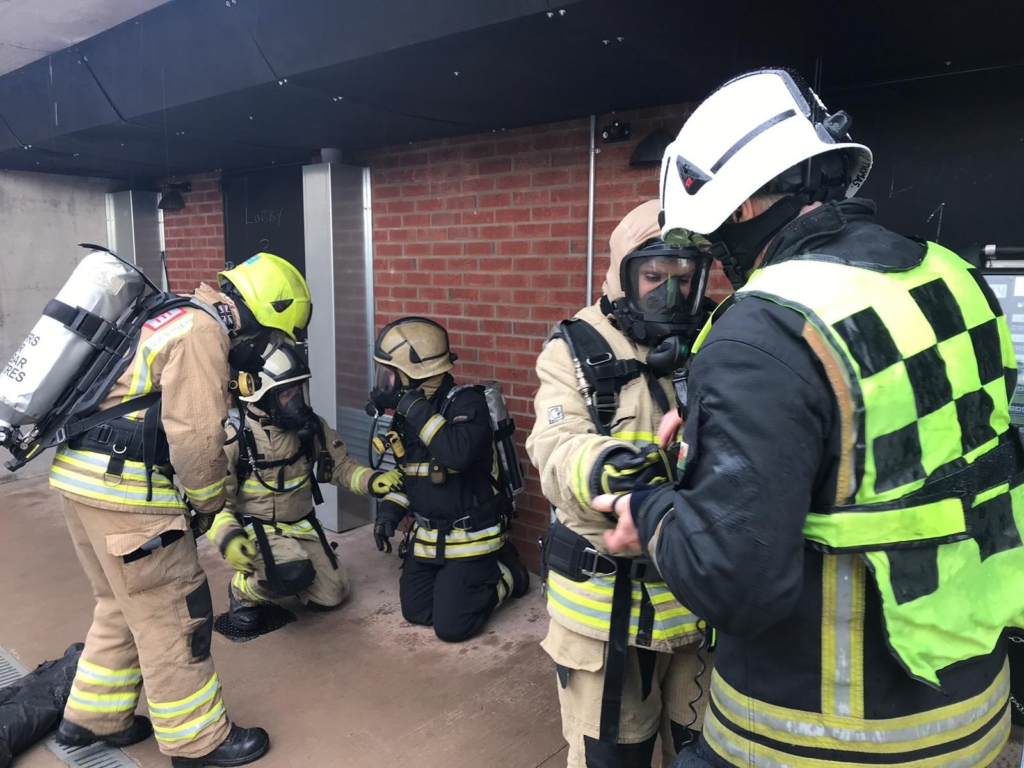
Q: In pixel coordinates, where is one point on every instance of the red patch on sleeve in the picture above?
(164, 318)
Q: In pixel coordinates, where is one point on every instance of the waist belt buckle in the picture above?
(638, 569)
(597, 558)
(464, 524)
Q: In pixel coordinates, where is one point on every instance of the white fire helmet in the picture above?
(749, 132)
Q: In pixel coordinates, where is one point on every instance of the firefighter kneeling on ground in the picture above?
(459, 567)
(279, 451)
(622, 350)
(154, 613)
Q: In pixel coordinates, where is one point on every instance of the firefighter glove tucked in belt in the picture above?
(622, 470)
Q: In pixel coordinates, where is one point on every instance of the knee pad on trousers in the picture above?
(200, 606)
(295, 576)
(600, 754)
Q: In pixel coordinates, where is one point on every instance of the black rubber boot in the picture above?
(241, 747)
(509, 556)
(71, 735)
(244, 618)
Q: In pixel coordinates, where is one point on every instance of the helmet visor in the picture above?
(385, 379)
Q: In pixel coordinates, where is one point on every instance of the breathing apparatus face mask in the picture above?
(664, 305)
(288, 408)
(389, 385)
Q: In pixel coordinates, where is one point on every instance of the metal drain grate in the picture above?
(93, 756)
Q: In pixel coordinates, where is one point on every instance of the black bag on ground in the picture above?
(33, 706)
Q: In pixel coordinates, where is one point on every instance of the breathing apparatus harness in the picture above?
(75, 420)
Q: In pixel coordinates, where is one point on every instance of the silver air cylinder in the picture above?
(503, 426)
(53, 356)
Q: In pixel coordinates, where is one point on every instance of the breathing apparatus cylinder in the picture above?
(54, 354)
(504, 436)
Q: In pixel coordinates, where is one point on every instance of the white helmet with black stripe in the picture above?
(762, 132)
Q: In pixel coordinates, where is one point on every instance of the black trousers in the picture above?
(456, 597)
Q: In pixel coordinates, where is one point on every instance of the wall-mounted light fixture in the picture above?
(172, 199)
(651, 149)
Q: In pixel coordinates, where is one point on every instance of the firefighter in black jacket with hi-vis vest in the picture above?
(459, 566)
(849, 515)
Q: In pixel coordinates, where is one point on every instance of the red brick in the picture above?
(460, 203)
(478, 217)
(416, 220)
(447, 249)
(531, 197)
(478, 151)
(549, 213)
(483, 184)
(511, 215)
(513, 248)
(499, 232)
(430, 204)
(570, 194)
(479, 249)
(497, 200)
(402, 206)
(418, 249)
(495, 166)
(551, 247)
(533, 230)
(415, 190)
(550, 178)
(531, 162)
(514, 181)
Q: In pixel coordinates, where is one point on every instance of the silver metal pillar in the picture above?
(339, 270)
(134, 230)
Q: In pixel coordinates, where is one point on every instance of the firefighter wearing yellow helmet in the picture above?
(131, 526)
(459, 566)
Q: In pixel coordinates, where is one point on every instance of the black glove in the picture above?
(382, 533)
(383, 401)
(623, 470)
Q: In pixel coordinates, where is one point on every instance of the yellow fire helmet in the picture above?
(274, 291)
(416, 346)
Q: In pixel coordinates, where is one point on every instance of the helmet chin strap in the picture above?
(737, 245)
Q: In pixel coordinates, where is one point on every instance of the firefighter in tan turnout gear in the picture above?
(615, 700)
(131, 527)
(278, 452)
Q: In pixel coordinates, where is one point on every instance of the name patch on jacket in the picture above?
(164, 318)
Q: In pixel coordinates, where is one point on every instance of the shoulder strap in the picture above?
(605, 373)
(455, 392)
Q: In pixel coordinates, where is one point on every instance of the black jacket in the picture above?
(460, 452)
(764, 449)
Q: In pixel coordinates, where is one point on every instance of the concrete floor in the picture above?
(356, 688)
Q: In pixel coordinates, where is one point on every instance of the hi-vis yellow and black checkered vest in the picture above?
(936, 502)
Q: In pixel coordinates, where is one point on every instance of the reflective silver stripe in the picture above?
(417, 470)
(843, 638)
(190, 729)
(852, 732)
(434, 423)
(398, 498)
(741, 752)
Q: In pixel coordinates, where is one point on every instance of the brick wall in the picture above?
(194, 236)
(488, 235)
(485, 233)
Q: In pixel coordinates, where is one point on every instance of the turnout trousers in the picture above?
(152, 626)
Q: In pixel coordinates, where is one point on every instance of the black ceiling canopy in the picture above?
(198, 85)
